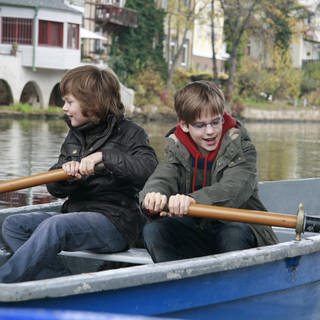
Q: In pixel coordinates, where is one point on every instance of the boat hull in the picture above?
(235, 285)
(279, 281)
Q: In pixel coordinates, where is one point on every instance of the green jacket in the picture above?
(233, 178)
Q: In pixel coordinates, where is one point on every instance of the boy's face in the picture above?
(205, 131)
(73, 111)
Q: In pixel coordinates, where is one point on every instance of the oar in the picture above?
(300, 222)
(33, 180)
(40, 178)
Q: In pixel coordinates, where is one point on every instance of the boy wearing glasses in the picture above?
(211, 160)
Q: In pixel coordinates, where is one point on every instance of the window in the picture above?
(51, 33)
(184, 55)
(17, 30)
(248, 49)
(73, 36)
(164, 4)
(172, 51)
(186, 3)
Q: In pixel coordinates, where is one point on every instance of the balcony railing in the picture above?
(110, 15)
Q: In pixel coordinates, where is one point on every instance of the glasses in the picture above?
(214, 124)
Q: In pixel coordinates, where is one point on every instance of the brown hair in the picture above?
(197, 97)
(97, 90)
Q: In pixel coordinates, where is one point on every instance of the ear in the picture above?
(184, 126)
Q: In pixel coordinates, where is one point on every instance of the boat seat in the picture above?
(133, 255)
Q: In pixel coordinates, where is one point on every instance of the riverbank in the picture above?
(7, 114)
(248, 115)
(291, 115)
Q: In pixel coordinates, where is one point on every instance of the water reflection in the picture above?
(28, 147)
(285, 151)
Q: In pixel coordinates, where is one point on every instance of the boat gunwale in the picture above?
(155, 273)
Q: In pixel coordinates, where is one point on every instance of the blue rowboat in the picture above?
(278, 282)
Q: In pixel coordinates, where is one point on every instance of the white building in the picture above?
(39, 41)
(202, 50)
(196, 43)
(305, 45)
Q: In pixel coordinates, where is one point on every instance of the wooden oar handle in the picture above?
(41, 178)
(296, 222)
(33, 180)
(243, 215)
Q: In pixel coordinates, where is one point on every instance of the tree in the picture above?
(213, 17)
(282, 81)
(271, 19)
(181, 16)
(238, 16)
(137, 49)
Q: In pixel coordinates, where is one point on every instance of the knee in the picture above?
(10, 223)
(236, 236)
(5, 227)
(14, 232)
(54, 224)
(153, 232)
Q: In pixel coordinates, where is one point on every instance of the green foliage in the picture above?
(180, 78)
(255, 103)
(287, 79)
(278, 18)
(313, 97)
(281, 81)
(150, 90)
(311, 78)
(248, 78)
(273, 22)
(22, 107)
(136, 49)
(28, 109)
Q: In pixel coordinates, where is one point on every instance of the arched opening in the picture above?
(55, 97)
(5, 94)
(31, 95)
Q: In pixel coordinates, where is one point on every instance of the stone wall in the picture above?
(305, 114)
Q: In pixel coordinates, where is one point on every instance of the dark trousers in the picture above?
(174, 238)
(37, 238)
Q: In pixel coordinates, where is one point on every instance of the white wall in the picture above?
(42, 56)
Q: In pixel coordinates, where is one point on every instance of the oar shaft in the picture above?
(33, 180)
(242, 215)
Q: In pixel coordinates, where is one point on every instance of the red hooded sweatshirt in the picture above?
(198, 160)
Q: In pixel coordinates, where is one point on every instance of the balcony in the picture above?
(111, 17)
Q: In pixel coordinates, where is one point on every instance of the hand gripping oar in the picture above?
(39, 178)
(299, 222)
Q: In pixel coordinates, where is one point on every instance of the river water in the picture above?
(285, 151)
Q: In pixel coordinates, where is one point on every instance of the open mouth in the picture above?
(210, 140)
